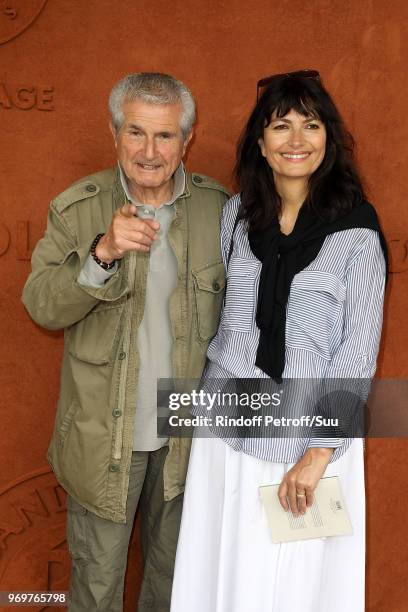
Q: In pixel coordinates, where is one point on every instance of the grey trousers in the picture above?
(99, 547)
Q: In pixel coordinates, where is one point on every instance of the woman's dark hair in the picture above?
(334, 188)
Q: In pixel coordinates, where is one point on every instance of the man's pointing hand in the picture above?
(126, 233)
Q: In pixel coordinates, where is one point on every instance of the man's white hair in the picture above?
(153, 88)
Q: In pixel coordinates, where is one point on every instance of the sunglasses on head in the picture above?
(263, 83)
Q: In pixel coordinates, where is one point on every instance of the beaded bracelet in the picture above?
(103, 264)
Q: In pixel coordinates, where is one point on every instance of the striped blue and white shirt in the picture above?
(333, 322)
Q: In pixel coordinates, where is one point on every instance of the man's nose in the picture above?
(150, 148)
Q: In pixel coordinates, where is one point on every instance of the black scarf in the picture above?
(284, 256)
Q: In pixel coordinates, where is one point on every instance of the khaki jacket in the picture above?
(91, 447)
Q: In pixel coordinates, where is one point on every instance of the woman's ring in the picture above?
(300, 495)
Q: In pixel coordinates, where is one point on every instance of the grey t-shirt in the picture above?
(154, 338)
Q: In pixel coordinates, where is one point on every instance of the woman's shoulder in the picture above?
(230, 211)
(232, 204)
(350, 246)
(364, 229)
(356, 239)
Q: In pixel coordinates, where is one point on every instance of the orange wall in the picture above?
(66, 55)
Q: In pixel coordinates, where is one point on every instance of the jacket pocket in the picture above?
(92, 340)
(77, 531)
(66, 421)
(315, 304)
(241, 294)
(209, 285)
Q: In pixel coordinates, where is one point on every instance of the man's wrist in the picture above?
(102, 255)
(99, 256)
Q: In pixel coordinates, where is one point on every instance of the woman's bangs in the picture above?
(302, 104)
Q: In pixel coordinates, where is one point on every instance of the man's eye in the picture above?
(135, 133)
(165, 136)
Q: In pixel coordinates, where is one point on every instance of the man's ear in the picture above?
(187, 140)
(113, 132)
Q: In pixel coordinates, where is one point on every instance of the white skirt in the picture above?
(226, 560)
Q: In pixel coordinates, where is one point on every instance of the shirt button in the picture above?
(197, 178)
(114, 467)
(90, 188)
(116, 413)
(121, 355)
(216, 286)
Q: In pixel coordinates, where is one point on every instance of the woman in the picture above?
(306, 268)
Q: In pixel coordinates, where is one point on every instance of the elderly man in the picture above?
(130, 267)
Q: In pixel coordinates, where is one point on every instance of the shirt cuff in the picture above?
(325, 442)
(93, 275)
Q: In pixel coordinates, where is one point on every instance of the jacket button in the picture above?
(114, 467)
(197, 178)
(216, 286)
(116, 413)
(90, 188)
(121, 355)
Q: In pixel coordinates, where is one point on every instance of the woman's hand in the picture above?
(301, 480)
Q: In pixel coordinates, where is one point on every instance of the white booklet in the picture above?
(327, 516)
